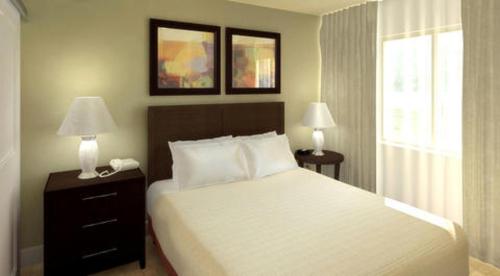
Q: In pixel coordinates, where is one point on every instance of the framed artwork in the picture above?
(184, 58)
(252, 62)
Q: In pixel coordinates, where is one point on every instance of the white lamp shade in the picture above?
(318, 116)
(87, 116)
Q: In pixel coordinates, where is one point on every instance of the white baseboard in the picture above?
(31, 255)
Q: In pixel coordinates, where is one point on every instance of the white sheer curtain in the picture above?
(348, 86)
(419, 92)
(481, 166)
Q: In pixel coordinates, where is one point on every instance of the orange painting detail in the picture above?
(185, 58)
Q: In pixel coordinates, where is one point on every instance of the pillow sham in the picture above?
(268, 156)
(205, 164)
(201, 141)
(257, 136)
(174, 145)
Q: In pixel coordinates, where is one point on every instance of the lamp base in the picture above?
(318, 141)
(88, 175)
(318, 153)
(88, 157)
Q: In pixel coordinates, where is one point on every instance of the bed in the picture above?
(293, 223)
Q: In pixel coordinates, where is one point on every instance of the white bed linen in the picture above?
(214, 163)
(158, 188)
(301, 223)
(267, 156)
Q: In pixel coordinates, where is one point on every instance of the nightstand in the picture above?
(330, 158)
(93, 224)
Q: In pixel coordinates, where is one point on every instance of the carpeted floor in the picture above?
(154, 267)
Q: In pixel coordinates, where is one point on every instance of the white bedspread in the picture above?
(301, 223)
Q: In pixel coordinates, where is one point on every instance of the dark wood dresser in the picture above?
(93, 224)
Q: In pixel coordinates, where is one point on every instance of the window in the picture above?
(422, 91)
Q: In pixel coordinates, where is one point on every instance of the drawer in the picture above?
(108, 257)
(98, 204)
(110, 232)
(100, 259)
(99, 236)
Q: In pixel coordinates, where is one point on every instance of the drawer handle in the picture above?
(99, 223)
(100, 196)
(107, 251)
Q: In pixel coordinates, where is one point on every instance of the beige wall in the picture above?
(93, 47)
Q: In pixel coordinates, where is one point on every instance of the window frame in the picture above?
(433, 32)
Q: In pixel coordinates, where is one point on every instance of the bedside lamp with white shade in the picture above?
(87, 117)
(318, 117)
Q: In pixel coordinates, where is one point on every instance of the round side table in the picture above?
(330, 158)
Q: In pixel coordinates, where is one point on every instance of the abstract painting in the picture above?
(184, 58)
(252, 62)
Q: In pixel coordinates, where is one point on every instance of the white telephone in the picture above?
(119, 165)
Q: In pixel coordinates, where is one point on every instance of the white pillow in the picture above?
(258, 136)
(173, 147)
(191, 142)
(268, 156)
(199, 165)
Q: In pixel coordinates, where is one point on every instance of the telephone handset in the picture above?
(119, 165)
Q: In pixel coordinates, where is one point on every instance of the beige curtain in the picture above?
(348, 85)
(481, 127)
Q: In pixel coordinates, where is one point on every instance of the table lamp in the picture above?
(318, 117)
(87, 117)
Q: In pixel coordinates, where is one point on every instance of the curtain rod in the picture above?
(21, 8)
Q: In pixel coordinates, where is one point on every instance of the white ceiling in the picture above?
(316, 7)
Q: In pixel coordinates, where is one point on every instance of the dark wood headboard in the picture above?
(192, 122)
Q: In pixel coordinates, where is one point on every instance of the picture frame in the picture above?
(184, 58)
(253, 62)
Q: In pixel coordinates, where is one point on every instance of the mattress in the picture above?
(157, 189)
(301, 223)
